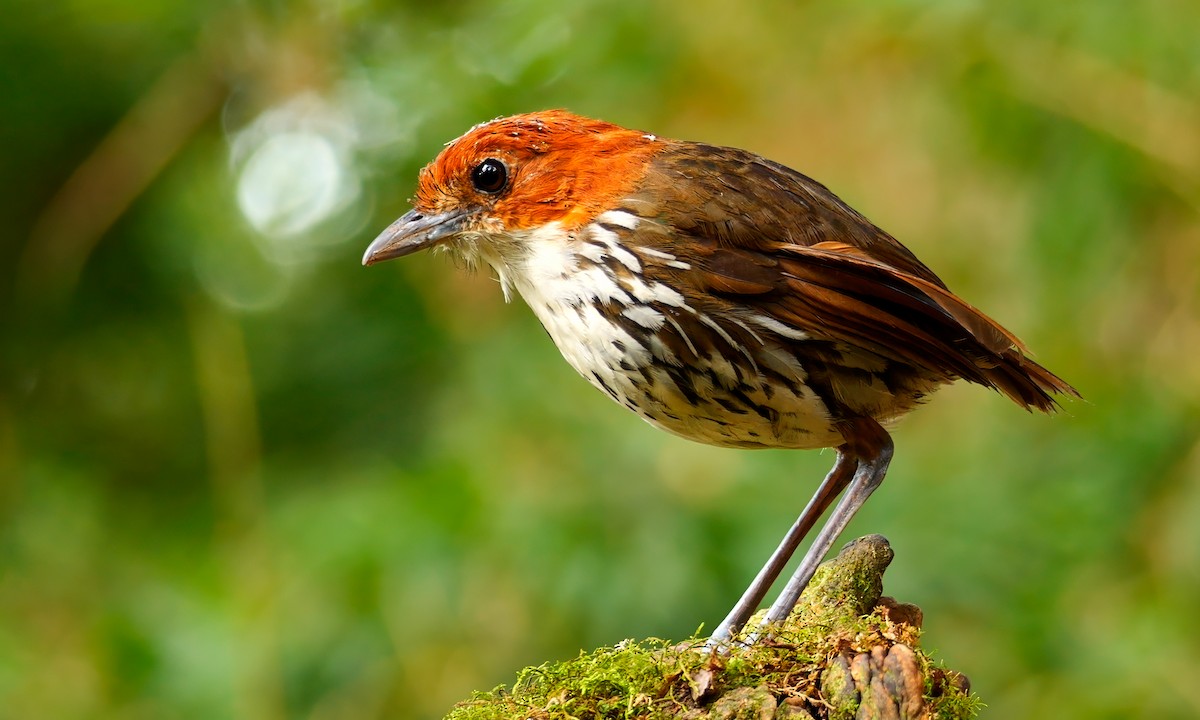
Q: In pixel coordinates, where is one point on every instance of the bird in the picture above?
(721, 296)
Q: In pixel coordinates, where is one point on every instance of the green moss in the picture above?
(948, 693)
(836, 655)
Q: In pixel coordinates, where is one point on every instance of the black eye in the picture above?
(489, 176)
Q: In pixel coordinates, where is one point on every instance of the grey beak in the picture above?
(413, 232)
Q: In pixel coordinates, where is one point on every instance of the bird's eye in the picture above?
(489, 176)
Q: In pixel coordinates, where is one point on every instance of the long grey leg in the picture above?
(867, 478)
(834, 483)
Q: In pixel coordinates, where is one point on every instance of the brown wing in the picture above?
(739, 199)
(772, 240)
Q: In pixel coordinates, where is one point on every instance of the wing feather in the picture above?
(780, 243)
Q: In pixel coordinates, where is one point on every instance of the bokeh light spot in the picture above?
(291, 183)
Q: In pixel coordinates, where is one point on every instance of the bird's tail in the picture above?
(1027, 383)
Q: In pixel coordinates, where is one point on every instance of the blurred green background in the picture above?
(244, 477)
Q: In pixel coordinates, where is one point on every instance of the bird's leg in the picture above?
(873, 446)
(834, 483)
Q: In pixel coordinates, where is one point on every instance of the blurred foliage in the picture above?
(242, 476)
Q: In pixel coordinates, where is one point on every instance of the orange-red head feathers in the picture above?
(519, 173)
(557, 166)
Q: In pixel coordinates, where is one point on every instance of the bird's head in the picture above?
(503, 179)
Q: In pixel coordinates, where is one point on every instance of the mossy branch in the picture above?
(846, 653)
